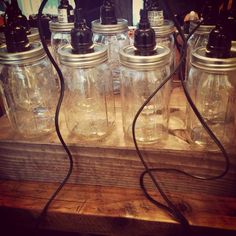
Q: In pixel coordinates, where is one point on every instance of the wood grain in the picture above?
(111, 210)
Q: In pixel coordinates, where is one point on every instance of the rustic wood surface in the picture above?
(108, 199)
(112, 210)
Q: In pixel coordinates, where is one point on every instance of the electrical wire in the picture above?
(171, 208)
(57, 127)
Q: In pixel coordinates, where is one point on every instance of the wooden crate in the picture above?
(114, 162)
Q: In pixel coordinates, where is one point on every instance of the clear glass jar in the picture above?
(33, 36)
(212, 87)
(165, 37)
(29, 90)
(140, 76)
(60, 35)
(198, 39)
(115, 37)
(89, 105)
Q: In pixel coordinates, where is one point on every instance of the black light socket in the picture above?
(15, 16)
(219, 43)
(107, 13)
(154, 5)
(210, 12)
(81, 35)
(144, 36)
(16, 39)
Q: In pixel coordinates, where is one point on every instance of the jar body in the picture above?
(59, 39)
(30, 95)
(214, 95)
(169, 42)
(136, 87)
(114, 42)
(89, 105)
(197, 40)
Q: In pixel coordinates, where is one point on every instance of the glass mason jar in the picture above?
(212, 87)
(165, 37)
(33, 36)
(115, 37)
(140, 76)
(28, 90)
(60, 35)
(89, 106)
(198, 39)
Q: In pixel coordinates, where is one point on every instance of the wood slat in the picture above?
(112, 210)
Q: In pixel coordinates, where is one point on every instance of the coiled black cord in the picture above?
(62, 89)
(171, 208)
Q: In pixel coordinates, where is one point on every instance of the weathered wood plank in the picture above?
(111, 210)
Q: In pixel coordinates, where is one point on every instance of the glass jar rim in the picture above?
(34, 36)
(34, 54)
(55, 26)
(201, 61)
(121, 26)
(130, 60)
(88, 60)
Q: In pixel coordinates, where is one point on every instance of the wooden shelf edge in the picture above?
(109, 210)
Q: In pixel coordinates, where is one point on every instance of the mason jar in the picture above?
(60, 35)
(114, 37)
(89, 106)
(28, 90)
(33, 36)
(198, 39)
(212, 87)
(140, 76)
(165, 37)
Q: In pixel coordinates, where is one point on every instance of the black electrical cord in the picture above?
(171, 208)
(177, 44)
(44, 211)
(194, 108)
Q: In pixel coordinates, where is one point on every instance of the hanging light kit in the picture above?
(98, 64)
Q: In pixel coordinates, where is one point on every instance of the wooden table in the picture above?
(103, 194)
